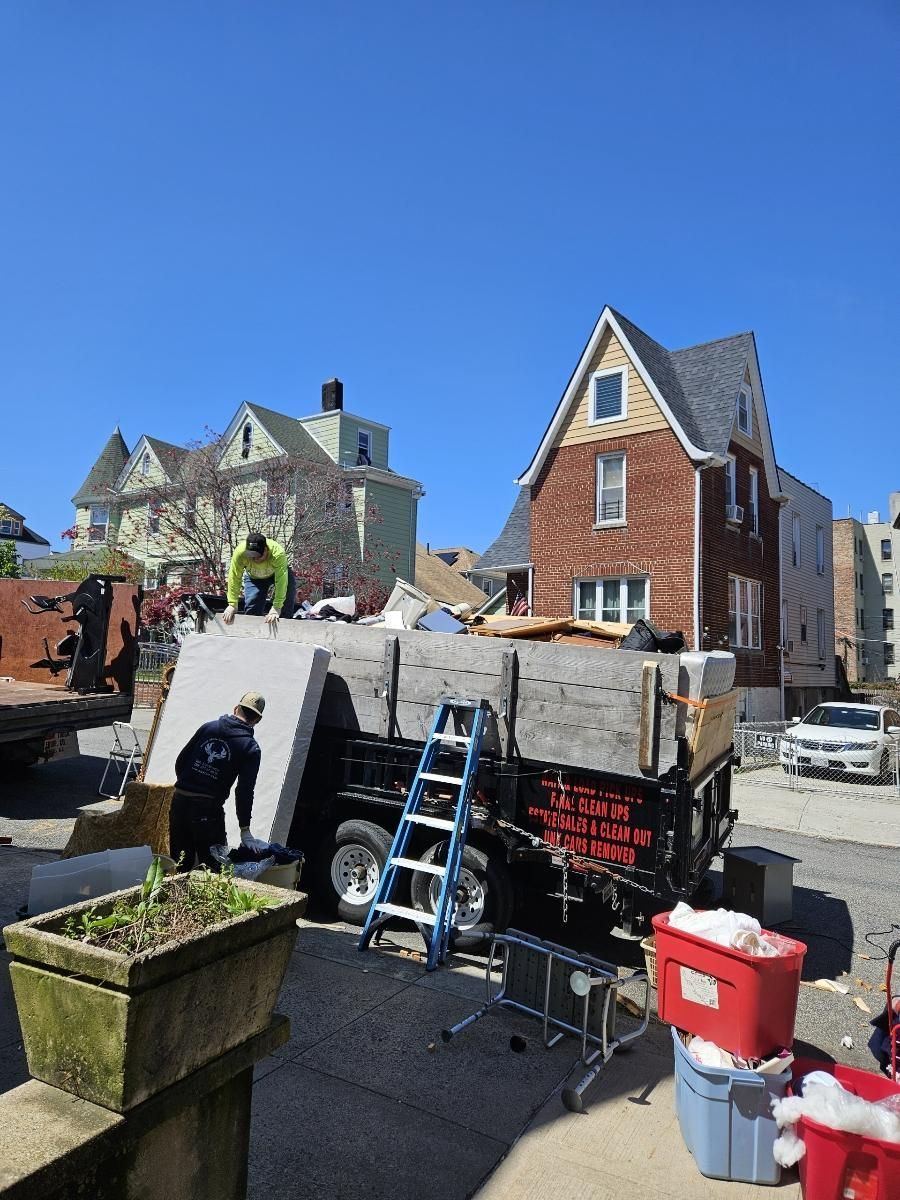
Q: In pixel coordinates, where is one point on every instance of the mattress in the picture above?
(212, 675)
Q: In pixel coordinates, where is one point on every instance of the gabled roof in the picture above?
(513, 547)
(169, 456)
(460, 558)
(711, 375)
(289, 433)
(696, 389)
(10, 513)
(31, 538)
(105, 471)
(442, 582)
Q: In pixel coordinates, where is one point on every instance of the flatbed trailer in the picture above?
(595, 782)
(60, 673)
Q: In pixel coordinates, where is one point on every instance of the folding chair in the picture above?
(126, 756)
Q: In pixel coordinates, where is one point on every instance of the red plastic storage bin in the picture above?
(838, 1164)
(744, 1004)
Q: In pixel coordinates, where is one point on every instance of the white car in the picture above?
(861, 739)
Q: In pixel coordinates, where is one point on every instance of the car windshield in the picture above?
(842, 718)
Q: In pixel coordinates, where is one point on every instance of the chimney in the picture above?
(873, 518)
(332, 395)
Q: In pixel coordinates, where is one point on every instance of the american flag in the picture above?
(519, 607)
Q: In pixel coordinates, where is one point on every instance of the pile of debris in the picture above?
(408, 607)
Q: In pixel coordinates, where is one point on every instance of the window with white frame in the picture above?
(610, 489)
(98, 529)
(608, 395)
(10, 527)
(145, 463)
(730, 481)
(754, 500)
(151, 578)
(887, 584)
(820, 550)
(744, 613)
(795, 539)
(886, 549)
(745, 410)
(624, 598)
(802, 625)
(190, 511)
(152, 520)
(820, 631)
(246, 440)
(363, 448)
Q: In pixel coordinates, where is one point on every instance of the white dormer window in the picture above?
(363, 448)
(9, 527)
(745, 410)
(608, 395)
(247, 440)
(145, 464)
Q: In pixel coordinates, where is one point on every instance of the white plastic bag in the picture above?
(834, 1107)
(717, 926)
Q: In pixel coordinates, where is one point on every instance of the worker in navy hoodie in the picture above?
(219, 753)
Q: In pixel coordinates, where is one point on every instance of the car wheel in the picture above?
(485, 892)
(351, 863)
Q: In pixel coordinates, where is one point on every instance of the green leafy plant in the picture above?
(166, 911)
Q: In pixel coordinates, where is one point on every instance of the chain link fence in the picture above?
(152, 660)
(849, 762)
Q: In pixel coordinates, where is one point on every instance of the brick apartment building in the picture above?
(654, 493)
(867, 595)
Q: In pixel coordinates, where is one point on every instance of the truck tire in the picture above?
(485, 894)
(351, 863)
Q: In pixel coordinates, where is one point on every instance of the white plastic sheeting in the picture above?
(212, 675)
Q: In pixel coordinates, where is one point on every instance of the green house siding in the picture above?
(349, 443)
(396, 530)
(326, 431)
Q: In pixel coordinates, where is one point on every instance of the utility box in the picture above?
(759, 882)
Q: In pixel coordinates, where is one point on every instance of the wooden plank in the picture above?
(389, 686)
(506, 707)
(650, 703)
(589, 750)
(713, 732)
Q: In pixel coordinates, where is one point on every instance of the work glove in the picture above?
(252, 843)
(272, 617)
(228, 614)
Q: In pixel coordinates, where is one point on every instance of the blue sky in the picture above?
(205, 203)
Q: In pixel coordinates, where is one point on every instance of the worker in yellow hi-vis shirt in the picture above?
(257, 565)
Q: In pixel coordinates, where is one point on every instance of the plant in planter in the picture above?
(120, 998)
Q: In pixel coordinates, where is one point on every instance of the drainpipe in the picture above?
(531, 591)
(697, 643)
(781, 607)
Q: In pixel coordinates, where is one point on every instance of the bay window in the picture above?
(624, 598)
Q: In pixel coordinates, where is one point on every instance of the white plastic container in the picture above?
(69, 880)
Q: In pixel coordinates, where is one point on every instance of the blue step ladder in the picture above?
(434, 928)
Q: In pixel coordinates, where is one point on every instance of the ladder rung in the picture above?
(410, 914)
(435, 778)
(415, 865)
(432, 822)
(461, 739)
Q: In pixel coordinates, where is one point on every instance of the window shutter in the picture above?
(607, 397)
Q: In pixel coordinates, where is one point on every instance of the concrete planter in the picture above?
(115, 1029)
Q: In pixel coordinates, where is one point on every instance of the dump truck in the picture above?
(68, 653)
(604, 777)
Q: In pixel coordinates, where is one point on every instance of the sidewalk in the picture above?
(837, 815)
(365, 1099)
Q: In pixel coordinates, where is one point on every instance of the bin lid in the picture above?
(759, 855)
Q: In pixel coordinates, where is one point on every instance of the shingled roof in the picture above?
(169, 456)
(105, 471)
(513, 547)
(711, 375)
(290, 434)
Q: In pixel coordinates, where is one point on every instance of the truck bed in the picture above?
(29, 710)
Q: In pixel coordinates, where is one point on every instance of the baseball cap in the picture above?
(254, 702)
(256, 543)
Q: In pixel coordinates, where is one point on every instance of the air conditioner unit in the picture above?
(735, 513)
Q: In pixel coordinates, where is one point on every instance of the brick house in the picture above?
(866, 586)
(654, 493)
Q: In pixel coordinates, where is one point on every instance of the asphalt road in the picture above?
(843, 890)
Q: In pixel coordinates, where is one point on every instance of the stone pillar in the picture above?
(188, 1142)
